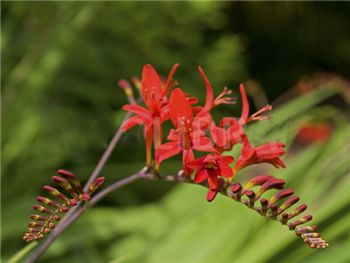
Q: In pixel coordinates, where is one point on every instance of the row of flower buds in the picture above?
(276, 206)
(48, 210)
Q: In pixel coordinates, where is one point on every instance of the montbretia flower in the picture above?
(211, 168)
(266, 153)
(188, 135)
(194, 130)
(156, 112)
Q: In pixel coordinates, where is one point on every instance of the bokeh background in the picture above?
(61, 62)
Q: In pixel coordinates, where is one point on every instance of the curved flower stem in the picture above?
(146, 175)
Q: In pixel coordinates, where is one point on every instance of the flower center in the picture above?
(213, 164)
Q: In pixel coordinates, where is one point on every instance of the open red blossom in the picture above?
(156, 110)
(266, 153)
(188, 135)
(211, 167)
(245, 118)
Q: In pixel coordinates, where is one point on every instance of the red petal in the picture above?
(180, 108)
(167, 150)
(187, 158)
(129, 123)
(235, 133)
(211, 194)
(213, 181)
(197, 162)
(210, 95)
(203, 144)
(226, 170)
(144, 113)
(247, 149)
(151, 84)
(170, 77)
(201, 175)
(218, 136)
(228, 122)
(225, 159)
(245, 106)
(269, 150)
(173, 135)
(203, 120)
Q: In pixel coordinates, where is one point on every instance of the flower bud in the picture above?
(251, 195)
(298, 211)
(64, 184)
(271, 184)
(258, 180)
(42, 209)
(288, 203)
(39, 217)
(71, 177)
(95, 184)
(35, 224)
(264, 204)
(84, 197)
(301, 221)
(47, 201)
(280, 195)
(284, 218)
(305, 229)
(54, 192)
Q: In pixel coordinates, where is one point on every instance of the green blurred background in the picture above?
(61, 105)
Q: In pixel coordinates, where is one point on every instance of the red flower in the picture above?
(156, 110)
(266, 153)
(188, 135)
(211, 168)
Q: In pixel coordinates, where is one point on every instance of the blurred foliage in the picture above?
(60, 65)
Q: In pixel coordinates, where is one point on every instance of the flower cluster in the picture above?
(195, 132)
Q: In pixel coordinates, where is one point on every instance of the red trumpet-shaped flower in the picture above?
(156, 111)
(266, 153)
(212, 168)
(188, 135)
